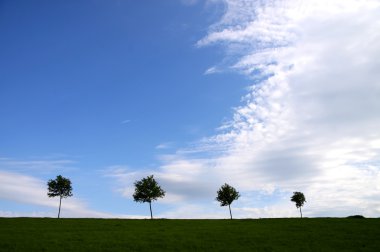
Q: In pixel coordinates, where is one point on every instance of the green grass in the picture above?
(319, 234)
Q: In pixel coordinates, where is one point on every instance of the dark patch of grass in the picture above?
(320, 234)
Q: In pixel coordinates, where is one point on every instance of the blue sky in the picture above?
(270, 97)
(74, 72)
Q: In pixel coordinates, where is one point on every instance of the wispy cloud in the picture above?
(165, 145)
(126, 121)
(212, 70)
(36, 165)
(310, 120)
(31, 191)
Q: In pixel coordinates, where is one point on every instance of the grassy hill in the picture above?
(318, 234)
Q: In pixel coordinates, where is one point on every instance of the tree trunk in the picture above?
(150, 207)
(59, 209)
(229, 206)
(301, 212)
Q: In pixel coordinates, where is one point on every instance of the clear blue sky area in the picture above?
(107, 80)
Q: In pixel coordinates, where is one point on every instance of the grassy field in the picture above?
(319, 234)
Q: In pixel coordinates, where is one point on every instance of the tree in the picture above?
(59, 187)
(299, 199)
(226, 195)
(148, 190)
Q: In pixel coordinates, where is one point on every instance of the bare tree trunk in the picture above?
(301, 212)
(229, 206)
(59, 209)
(150, 207)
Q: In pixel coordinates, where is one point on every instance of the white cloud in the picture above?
(313, 124)
(31, 191)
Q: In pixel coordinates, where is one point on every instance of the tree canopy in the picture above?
(148, 190)
(226, 195)
(299, 199)
(61, 187)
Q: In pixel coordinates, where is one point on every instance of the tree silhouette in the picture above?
(226, 195)
(59, 187)
(299, 199)
(148, 190)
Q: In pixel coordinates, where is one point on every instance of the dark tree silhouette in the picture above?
(299, 199)
(148, 190)
(59, 187)
(226, 195)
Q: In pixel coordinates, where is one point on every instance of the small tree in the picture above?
(148, 190)
(299, 199)
(226, 195)
(59, 187)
